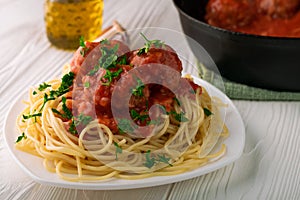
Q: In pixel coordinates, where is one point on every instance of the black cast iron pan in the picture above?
(260, 61)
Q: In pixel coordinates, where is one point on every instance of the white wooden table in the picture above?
(268, 169)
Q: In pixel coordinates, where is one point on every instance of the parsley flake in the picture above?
(67, 112)
(66, 83)
(138, 90)
(82, 44)
(108, 57)
(87, 84)
(192, 91)
(21, 137)
(76, 121)
(104, 41)
(83, 119)
(56, 111)
(148, 44)
(122, 60)
(81, 41)
(72, 127)
(94, 70)
(125, 126)
(207, 112)
(118, 150)
(177, 101)
(31, 116)
(110, 75)
(46, 99)
(179, 116)
(43, 86)
(137, 116)
(150, 162)
(107, 60)
(164, 159)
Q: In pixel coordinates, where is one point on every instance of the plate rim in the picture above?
(112, 184)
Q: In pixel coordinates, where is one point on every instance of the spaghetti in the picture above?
(176, 137)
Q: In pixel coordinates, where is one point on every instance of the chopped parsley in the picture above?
(122, 60)
(72, 127)
(179, 116)
(46, 99)
(67, 82)
(148, 44)
(118, 150)
(82, 44)
(67, 112)
(76, 121)
(32, 116)
(207, 112)
(138, 90)
(164, 159)
(150, 162)
(94, 70)
(107, 60)
(109, 56)
(87, 84)
(137, 116)
(177, 101)
(110, 75)
(192, 91)
(154, 121)
(125, 126)
(81, 41)
(163, 109)
(83, 119)
(21, 137)
(43, 86)
(104, 41)
(56, 111)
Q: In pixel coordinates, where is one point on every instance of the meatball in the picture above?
(278, 8)
(165, 56)
(87, 60)
(230, 14)
(78, 58)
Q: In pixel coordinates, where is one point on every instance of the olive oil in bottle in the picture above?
(67, 20)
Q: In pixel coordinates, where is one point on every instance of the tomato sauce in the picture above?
(277, 18)
(95, 98)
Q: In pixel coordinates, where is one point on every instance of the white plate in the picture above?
(33, 165)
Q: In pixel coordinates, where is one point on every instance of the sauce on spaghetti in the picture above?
(94, 99)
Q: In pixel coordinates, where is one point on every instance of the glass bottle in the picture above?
(67, 20)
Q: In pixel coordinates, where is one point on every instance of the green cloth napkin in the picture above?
(243, 92)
